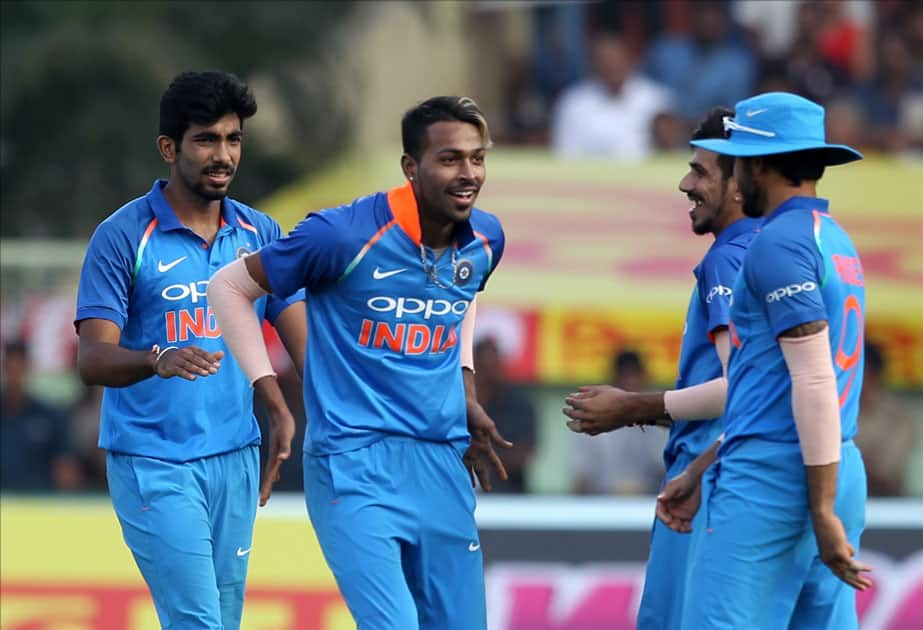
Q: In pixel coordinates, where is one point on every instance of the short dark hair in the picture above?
(202, 98)
(439, 109)
(874, 358)
(798, 166)
(15, 347)
(712, 126)
(627, 361)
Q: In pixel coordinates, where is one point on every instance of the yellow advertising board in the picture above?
(599, 254)
(64, 566)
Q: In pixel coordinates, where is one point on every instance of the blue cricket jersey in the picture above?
(148, 273)
(801, 268)
(382, 354)
(709, 309)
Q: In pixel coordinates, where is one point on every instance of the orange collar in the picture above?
(406, 213)
(404, 208)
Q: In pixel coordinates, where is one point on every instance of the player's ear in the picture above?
(409, 167)
(733, 191)
(167, 148)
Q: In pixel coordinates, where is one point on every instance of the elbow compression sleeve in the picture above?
(231, 293)
(815, 403)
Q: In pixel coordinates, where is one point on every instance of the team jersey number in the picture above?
(848, 362)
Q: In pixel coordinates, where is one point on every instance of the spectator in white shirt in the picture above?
(612, 114)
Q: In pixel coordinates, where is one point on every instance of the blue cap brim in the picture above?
(834, 153)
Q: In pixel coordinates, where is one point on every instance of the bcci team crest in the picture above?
(243, 252)
(463, 272)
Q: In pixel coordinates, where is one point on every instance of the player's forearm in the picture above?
(701, 463)
(704, 401)
(231, 293)
(110, 365)
(471, 392)
(646, 407)
(292, 326)
(822, 487)
(267, 388)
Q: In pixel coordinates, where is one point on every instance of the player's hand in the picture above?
(281, 432)
(595, 409)
(679, 501)
(484, 435)
(836, 552)
(188, 362)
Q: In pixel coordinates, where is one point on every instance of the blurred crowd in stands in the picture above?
(623, 79)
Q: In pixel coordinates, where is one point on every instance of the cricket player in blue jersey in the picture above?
(177, 414)
(394, 421)
(786, 504)
(716, 209)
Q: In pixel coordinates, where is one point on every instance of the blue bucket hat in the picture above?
(778, 122)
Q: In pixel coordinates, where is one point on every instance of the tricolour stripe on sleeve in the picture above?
(144, 240)
(365, 249)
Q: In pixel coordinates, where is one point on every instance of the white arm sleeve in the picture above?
(231, 293)
(815, 403)
(467, 336)
(705, 400)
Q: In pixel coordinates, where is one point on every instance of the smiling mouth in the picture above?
(219, 177)
(697, 203)
(464, 196)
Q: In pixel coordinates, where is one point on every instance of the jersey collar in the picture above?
(737, 228)
(799, 203)
(403, 205)
(166, 217)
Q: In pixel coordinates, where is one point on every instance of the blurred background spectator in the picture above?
(36, 453)
(888, 431)
(626, 461)
(612, 113)
(510, 410)
(704, 66)
(84, 414)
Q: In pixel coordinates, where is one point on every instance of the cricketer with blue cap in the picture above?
(786, 504)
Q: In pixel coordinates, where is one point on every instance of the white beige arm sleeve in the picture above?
(231, 293)
(467, 336)
(706, 400)
(815, 403)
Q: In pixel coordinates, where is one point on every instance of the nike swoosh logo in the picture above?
(242, 552)
(162, 267)
(755, 112)
(474, 546)
(378, 274)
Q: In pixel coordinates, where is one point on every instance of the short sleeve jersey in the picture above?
(384, 319)
(148, 273)
(709, 309)
(801, 268)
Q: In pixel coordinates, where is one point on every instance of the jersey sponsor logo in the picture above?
(189, 323)
(415, 337)
(162, 268)
(790, 290)
(190, 290)
(411, 339)
(716, 291)
(401, 306)
(378, 274)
